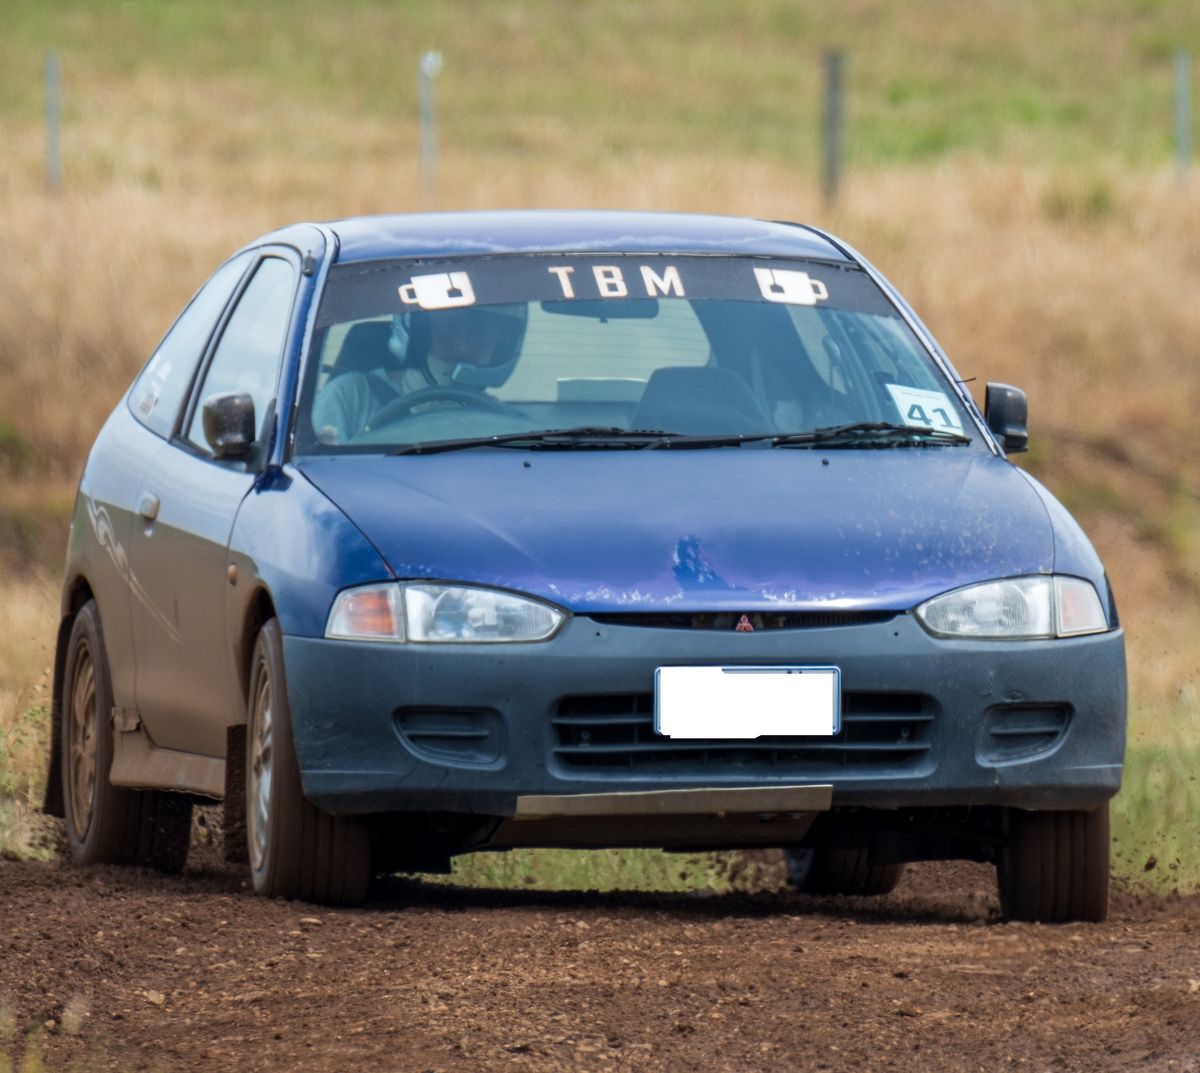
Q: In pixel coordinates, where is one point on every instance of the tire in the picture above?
(296, 850)
(1054, 866)
(108, 824)
(840, 871)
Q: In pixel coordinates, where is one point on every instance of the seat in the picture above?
(700, 401)
(364, 348)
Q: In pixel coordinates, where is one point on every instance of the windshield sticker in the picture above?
(668, 283)
(359, 291)
(563, 272)
(159, 372)
(610, 281)
(441, 290)
(925, 409)
(793, 288)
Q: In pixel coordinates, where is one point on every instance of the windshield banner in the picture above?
(375, 288)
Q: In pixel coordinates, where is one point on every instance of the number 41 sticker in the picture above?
(925, 409)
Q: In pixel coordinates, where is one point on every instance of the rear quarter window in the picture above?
(158, 393)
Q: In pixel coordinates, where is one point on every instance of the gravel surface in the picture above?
(127, 970)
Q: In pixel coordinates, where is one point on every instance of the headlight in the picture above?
(460, 613)
(1017, 608)
(425, 613)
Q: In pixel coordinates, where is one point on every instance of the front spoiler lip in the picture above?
(701, 802)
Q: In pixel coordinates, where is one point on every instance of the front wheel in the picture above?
(1053, 866)
(296, 850)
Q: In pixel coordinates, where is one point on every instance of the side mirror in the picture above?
(229, 425)
(1006, 411)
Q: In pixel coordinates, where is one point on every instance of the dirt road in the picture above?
(112, 969)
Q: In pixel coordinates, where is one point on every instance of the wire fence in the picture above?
(834, 123)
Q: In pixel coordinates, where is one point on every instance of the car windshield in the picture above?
(616, 351)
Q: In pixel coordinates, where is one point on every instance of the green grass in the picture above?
(552, 869)
(1062, 81)
(1156, 817)
(23, 831)
(622, 869)
(24, 733)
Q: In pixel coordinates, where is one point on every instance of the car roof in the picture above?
(459, 234)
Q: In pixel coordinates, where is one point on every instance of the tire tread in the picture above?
(1055, 866)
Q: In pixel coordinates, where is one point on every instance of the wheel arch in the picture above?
(260, 608)
(76, 593)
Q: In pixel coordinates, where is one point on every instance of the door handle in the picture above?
(148, 508)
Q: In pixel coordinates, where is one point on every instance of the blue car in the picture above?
(427, 534)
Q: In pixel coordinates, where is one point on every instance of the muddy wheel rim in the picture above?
(82, 733)
(261, 762)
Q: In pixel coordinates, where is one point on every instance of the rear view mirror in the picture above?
(229, 424)
(1006, 411)
(605, 308)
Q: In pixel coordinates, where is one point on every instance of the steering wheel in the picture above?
(442, 393)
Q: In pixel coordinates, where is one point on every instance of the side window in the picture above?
(247, 357)
(160, 390)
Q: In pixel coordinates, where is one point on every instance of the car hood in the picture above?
(723, 529)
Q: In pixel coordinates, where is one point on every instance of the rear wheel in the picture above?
(109, 824)
(840, 871)
(1054, 866)
(296, 850)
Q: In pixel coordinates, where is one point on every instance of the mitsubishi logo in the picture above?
(744, 625)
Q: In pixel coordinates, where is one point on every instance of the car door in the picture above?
(132, 437)
(187, 685)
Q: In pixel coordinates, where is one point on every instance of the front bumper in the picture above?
(926, 722)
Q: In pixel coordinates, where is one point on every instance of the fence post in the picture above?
(833, 125)
(1183, 112)
(427, 71)
(53, 110)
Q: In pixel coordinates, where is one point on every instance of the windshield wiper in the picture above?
(862, 434)
(553, 439)
(872, 434)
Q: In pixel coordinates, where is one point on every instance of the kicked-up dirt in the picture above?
(124, 970)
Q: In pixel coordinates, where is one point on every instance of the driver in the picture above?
(470, 349)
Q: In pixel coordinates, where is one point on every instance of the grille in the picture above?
(728, 621)
(616, 731)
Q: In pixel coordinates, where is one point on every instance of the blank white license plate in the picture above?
(747, 702)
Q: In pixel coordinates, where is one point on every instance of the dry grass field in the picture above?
(1055, 250)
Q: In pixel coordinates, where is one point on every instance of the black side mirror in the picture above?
(229, 425)
(1006, 411)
